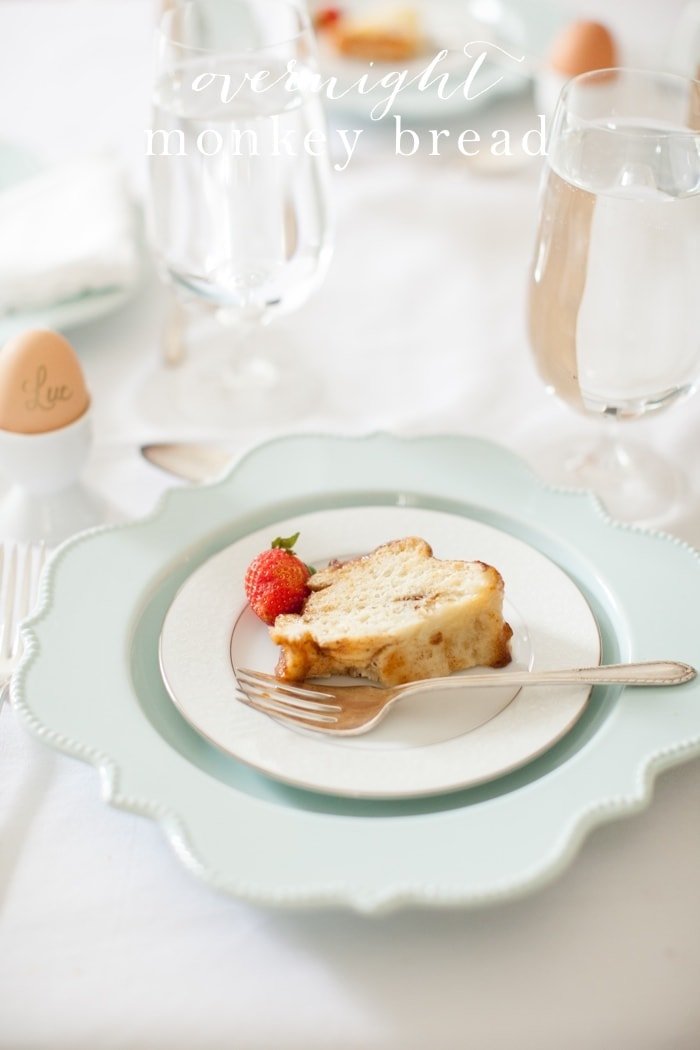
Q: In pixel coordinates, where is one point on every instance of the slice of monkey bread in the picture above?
(396, 615)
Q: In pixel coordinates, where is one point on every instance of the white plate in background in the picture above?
(520, 28)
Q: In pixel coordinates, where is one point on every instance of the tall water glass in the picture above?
(614, 302)
(239, 176)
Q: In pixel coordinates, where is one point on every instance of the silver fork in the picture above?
(353, 709)
(20, 572)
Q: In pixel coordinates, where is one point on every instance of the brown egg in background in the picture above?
(583, 47)
(42, 386)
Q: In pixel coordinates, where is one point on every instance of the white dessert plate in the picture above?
(429, 744)
(90, 682)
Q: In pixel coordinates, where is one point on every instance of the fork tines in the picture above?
(274, 696)
(20, 570)
(286, 712)
(268, 681)
(8, 579)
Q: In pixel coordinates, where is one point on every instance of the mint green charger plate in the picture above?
(90, 685)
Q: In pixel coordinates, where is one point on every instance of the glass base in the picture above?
(633, 482)
(233, 376)
(255, 385)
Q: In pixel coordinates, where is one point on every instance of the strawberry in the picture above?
(327, 16)
(276, 581)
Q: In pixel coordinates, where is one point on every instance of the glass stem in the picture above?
(246, 365)
(612, 452)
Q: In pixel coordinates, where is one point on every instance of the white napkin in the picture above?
(64, 232)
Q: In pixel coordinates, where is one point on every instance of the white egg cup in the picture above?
(47, 500)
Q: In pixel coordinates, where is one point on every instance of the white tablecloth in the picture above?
(105, 941)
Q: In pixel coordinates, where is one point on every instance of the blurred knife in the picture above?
(190, 461)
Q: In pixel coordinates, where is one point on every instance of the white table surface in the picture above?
(105, 941)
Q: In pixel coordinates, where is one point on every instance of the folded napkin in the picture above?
(64, 232)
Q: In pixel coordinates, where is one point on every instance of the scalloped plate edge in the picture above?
(395, 896)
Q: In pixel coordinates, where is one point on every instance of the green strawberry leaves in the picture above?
(287, 544)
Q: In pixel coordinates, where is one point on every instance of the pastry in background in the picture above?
(389, 34)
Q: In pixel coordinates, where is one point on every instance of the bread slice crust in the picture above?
(396, 615)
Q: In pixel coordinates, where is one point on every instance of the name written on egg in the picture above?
(43, 396)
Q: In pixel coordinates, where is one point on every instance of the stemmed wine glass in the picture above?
(614, 300)
(239, 190)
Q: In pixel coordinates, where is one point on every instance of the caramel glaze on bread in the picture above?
(396, 615)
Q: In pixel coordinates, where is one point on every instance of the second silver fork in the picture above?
(20, 572)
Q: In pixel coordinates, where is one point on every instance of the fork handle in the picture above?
(655, 672)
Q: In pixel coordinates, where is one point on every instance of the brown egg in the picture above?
(581, 48)
(42, 386)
